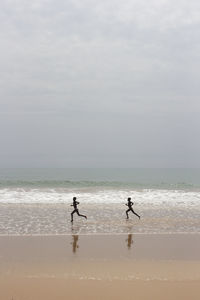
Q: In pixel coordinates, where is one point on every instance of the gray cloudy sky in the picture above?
(90, 83)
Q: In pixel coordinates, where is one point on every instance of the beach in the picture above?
(139, 266)
(43, 256)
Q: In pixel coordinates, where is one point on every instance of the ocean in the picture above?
(37, 201)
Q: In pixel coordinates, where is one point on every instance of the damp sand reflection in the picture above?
(74, 243)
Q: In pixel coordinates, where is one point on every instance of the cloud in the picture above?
(115, 69)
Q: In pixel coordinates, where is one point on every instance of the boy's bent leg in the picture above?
(135, 213)
(81, 215)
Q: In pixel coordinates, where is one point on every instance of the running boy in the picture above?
(75, 204)
(130, 204)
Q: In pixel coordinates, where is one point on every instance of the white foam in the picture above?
(144, 197)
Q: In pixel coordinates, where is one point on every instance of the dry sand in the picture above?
(100, 267)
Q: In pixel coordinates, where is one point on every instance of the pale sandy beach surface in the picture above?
(131, 266)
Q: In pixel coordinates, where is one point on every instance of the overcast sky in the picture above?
(88, 83)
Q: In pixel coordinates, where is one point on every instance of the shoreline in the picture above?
(98, 234)
(51, 219)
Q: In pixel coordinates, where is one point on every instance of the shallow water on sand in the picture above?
(47, 219)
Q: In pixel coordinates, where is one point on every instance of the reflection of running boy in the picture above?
(130, 204)
(75, 203)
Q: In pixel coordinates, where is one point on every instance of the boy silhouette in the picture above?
(75, 204)
(130, 204)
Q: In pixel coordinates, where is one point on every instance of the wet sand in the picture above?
(158, 266)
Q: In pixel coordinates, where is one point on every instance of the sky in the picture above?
(87, 83)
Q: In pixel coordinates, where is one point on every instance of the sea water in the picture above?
(37, 201)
